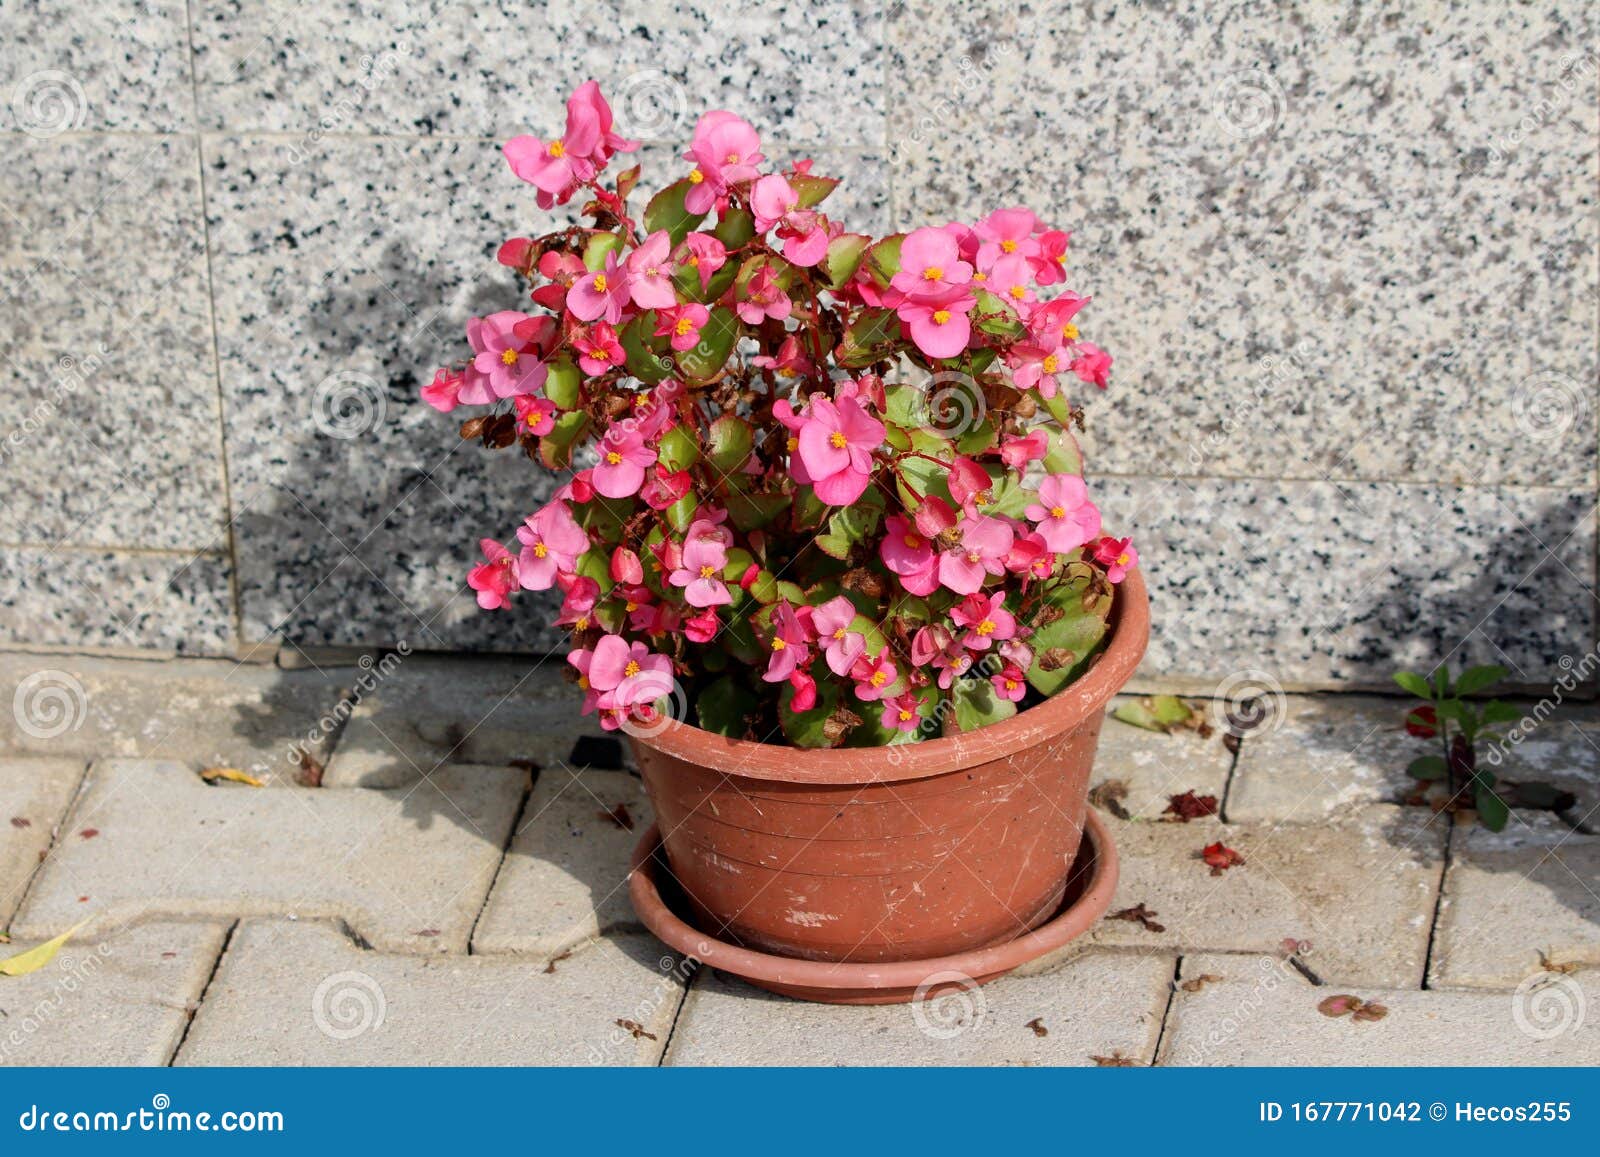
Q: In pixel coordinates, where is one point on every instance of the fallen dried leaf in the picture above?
(311, 770)
(1115, 1061)
(19, 823)
(1189, 806)
(1139, 914)
(1219, 857)
(1370, 1012)
(555, 960)
(618, 815)
(89, 833)
(1197, 983)
(1108, 797)
(1344, 1004)
(635, 1028)
(1164, 713)
(428, 932)
(231, 774)
(36, 958)
(1037, 1025)
(1548, 965)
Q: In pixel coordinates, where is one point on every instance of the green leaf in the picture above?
(843, 258)
(883, 259)
(555, 448)
(36, 958)
(1164, 713)
(1427, 767)
(1477, 678)
(851, 524)
(647, 355)
(728, 443)
(736, 229)
(562, 384)
(812, 190)
(977, 704)
(1003, 324)
(680, 449)
(1064, 455)
(1495, 712)
(1415, 684)
(1492, 810)
(1542, 797)
(1078, 635)
(710, 354)
(681, 513)
(723, 706)
(596, 249)
(807, 728)
(666, 211)
(751, 510)
(871, 336)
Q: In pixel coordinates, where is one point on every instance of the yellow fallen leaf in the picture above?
(232, 775)
(36, 958)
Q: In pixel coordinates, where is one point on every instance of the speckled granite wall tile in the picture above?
(1318, 583)
(806, 72)
(342, 280)
(108, 400)
(1329, 241)
(110, 64)
(115, 599)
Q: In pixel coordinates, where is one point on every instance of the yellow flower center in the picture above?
(1011, 684)
(600, 282)
(693, 262)
(582, 624)
(879, 678)
(986, 627)
(600, 354)
(914, 542)
(1050, 363)
(1122, 559)
(696, 176)
(1061, 259)
(932, 273)
(583, 681)
(684, 326)
(707, 571)
(533, 417)
(974, 556)
(508, 357)
(630, 607)
(793, 443)
(962, 662)
(1018, 292)
(980, 277)
(904, 715)
(733, 158)
(631, 669)
(778, 644)
(613, 458)
(837, 440)
(1069, 331)
(941, 316)
(1058, 512)
(1009, 246)
(839, 634)
(540, 550)
(558, 149)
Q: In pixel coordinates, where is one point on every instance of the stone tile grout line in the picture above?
(505, 854)
(56, 833)
(205, 989)
(677, 1013)
(1166, 1012)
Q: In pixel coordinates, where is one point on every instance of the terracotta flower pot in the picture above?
(890, 853)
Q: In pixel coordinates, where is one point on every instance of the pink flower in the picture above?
(603, 293)
(703, 253)
(551, 541)
(788, 645)
(985, 542)
(663, 489)
(1051, 323)
(1117, 556)
(909, 555)
(558, 168)
(625, 674)
(582, 659)
(842, 647)
(931, 268)
(1093, 364)
(1018, 452)
(682, 323)
(650, 271)
(774, 202)
(805, 691)
(725, 150)
(598, 348)
(561, 270)
(623, 458)
(763, 298)
(508, 364)
(836, 444)
(495, 579)
(1010, 683)
(1011, 280)
(1050, 263)
(986, 619)
(1035, 365)
(1066, 517)
(700, 574)
(939, 329)
(903, 712)
(790, 362)
(874, 677)
(534, 415)
(1031, 556)
(701, 628)
(581, 594)
(1004, 232)
(444, 392)
(970, 485)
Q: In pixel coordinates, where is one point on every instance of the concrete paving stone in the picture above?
(1101, 1004)
(1325, 754)
(34, 795)
(198, 711)
(432, 711)
(1361, 890)
(1155, 767)
(303, 994)
(120, 1000)
(1257, 1010)
(408, 868)
(565, 878)
(1510, 896)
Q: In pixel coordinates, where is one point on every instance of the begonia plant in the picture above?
(819, 487)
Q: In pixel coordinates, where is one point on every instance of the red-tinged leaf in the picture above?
(1422, 722)
(1037, 1025)
(1115, 1061)
(1342, 1005)
(634, 1029)
(1189, 806)
(1140, 915)
(1219, 857)
(1370, 1011)
(89, 833)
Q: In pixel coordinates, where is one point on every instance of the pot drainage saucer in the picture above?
(655, 899)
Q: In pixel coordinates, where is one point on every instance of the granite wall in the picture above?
(1345, 254)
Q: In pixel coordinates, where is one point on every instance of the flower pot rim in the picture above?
(879, 982)
(1072, 705)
